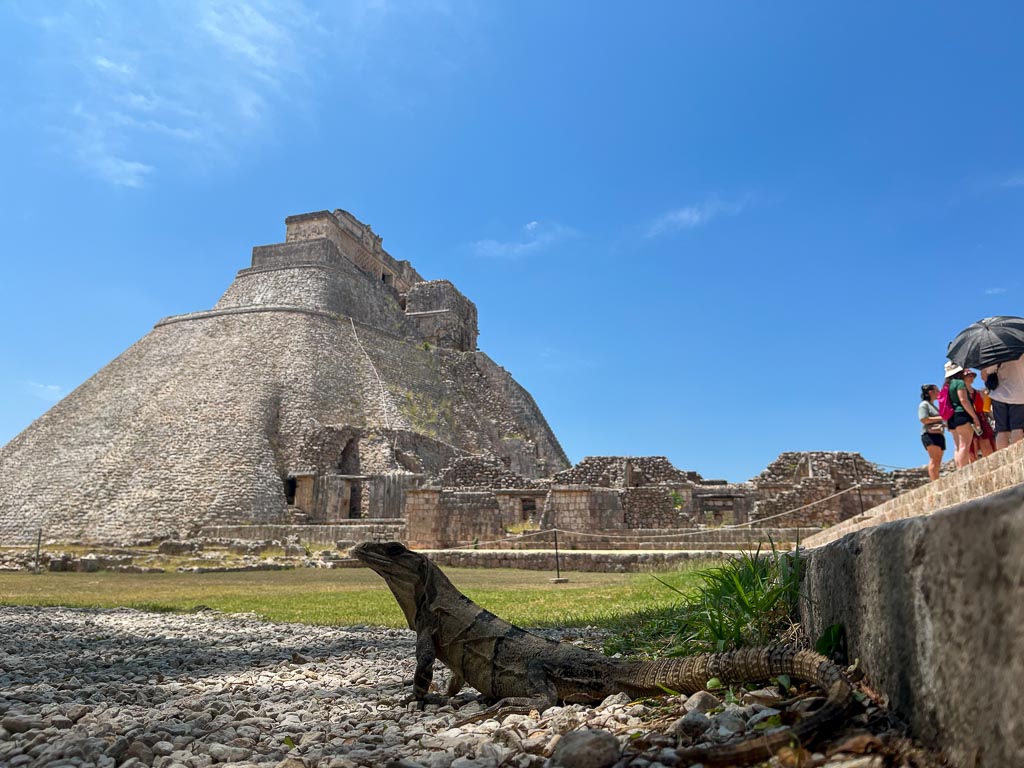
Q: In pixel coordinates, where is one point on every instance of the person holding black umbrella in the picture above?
(1008, 401)
(996, 346)
(965, 422)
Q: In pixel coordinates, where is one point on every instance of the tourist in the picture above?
(964, 423)
(1008, 401)
(932, 428)
(985, 443)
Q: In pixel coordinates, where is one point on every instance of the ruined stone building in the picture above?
(608, 502)
(327, 382)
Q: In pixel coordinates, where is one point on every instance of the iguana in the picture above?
(520, 672)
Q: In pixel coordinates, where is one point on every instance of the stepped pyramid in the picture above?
(328, 379)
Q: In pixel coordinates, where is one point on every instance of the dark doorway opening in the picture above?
(289, 490)
(348, 464)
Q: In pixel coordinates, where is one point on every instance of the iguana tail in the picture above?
(690, 674)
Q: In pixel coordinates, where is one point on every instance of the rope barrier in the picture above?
(518, 537)
(892, 466)
(678, 535)
(383, 392)
(796, 509)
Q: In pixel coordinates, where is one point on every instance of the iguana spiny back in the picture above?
(518, 671)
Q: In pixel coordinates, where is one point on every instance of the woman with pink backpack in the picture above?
(963, 421)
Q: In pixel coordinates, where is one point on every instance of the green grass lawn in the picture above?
(350, 596)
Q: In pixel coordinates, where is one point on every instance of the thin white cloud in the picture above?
(131, 90)
(102, 62)
(92, 144)
(1014, 181)
(994, 291)
(135, 87)
(692, 216)
(536, 236)
(49, 392)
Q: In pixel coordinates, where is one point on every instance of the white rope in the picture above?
(893, 466)
(796, 509)
(679, 535)
(518, 537)
(383, 392)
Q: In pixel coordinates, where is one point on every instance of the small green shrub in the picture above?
(749, 600)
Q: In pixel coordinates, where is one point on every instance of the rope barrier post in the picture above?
(558, 568)
(856, 479)
(39, 545)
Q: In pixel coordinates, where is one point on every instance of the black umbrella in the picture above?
(988, 342)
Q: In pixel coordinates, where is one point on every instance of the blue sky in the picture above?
(712, 231)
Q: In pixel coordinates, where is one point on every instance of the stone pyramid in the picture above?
(328, 379)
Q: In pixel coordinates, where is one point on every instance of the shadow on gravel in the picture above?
(126, 656)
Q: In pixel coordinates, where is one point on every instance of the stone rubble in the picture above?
(127, 688)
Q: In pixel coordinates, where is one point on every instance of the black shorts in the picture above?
(958, 419)
(1009, 416)
(933, 438)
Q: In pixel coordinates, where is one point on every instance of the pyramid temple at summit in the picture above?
(327, 379)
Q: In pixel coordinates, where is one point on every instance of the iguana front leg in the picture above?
(542, 694)
(425, 656)
(455, 683)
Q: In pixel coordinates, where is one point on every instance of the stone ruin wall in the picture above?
(443, 316)
(799, 479)
(355, 239)
(651, 507)
(624, 472)
(630, 497)
(312, 276)
(483, 472)
(723, 504)
(500, 409)
(437, 519)
(578, 508)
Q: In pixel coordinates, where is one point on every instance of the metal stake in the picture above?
(558, 568)
(856, 477)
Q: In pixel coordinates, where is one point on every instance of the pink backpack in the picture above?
(945, 407)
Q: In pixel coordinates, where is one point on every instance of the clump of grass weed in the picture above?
(751, 599)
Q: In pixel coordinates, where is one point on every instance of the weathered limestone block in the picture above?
(932, 608)
(443, 315)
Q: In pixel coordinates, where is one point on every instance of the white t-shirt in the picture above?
(926, 410)
(1011, 382)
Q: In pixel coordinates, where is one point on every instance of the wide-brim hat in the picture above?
(952, 369)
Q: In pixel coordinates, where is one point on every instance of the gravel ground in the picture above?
(121, 687)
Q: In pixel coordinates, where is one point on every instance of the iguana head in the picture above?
(405, 572)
